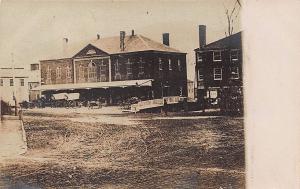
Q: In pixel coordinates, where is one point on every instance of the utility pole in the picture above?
(14, 92)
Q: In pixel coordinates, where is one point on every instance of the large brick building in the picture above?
(219, 68)
(117, 68)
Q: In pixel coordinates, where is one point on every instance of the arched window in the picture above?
(68, 73)
(92, 71)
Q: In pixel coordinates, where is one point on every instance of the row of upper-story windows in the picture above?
(58, 72)
(11, 82)
(217, 55)
(170, 66)
(102, 67)
(218, 74)
(234, 72)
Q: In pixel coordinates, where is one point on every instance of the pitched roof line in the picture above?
(143, 41)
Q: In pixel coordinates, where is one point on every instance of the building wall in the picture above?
(206, 68)
(52, 66)
(92, 70)
(125, 66)
(20, 92)
(174, 80)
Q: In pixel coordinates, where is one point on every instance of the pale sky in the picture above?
(32, 30)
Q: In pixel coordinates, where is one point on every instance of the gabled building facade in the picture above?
(219, 68)
(118, 68)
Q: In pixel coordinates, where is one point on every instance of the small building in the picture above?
(14, 84)
(34, 81)
(117, 68)
(219, 68)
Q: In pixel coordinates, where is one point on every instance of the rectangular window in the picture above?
(217, 73)
(92, 72)
(117, 66)
(129, 67)
(160, 66)
(22, 82)
(34, 67)
(117, 70)
(81, 72)
(235, 73)
(217, 56)
(200, 76)
(1, 82)
(199, 57)
(102, 71)
(141, 67)
(68, 72)
(11, 82)
(234, 55)
(48, 75)
(58, 73)
(179, 65)
(170, 64)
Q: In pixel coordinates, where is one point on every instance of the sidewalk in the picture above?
(12, 142)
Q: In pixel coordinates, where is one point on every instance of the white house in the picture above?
(14, 84)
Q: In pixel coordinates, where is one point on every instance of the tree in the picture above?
(232, 16)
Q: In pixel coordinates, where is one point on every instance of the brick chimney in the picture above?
(98, 36)
(132, 32)
(166, 40)
(122, 40)
(202, 35)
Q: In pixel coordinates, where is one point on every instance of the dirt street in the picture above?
(81, 150)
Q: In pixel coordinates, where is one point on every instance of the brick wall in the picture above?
(53, 77)
(92, 70)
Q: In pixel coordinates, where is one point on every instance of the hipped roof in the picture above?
(111, 45)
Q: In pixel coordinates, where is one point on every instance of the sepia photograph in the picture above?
(122, 94)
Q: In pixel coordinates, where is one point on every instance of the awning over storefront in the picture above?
(104, 85)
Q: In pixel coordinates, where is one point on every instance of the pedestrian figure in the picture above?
(165, 107)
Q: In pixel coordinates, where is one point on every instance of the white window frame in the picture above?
(129, 67)
(170, 64)
(117, 70)
(179, 65)
(237, 54)
(81, 72)
(92, 71)
(218, 74)
(215, 55)
(160, 64)
(235, 74)
(200, 76)
(58, 73)
(199, 57)
(117, 66)
(102, 71)
(68, 72)
(48, 75)
(141, 67)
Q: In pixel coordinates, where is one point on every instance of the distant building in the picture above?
(219, 66)
(14, 84)
(34, 81)
(191, 91)
(117, 68)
